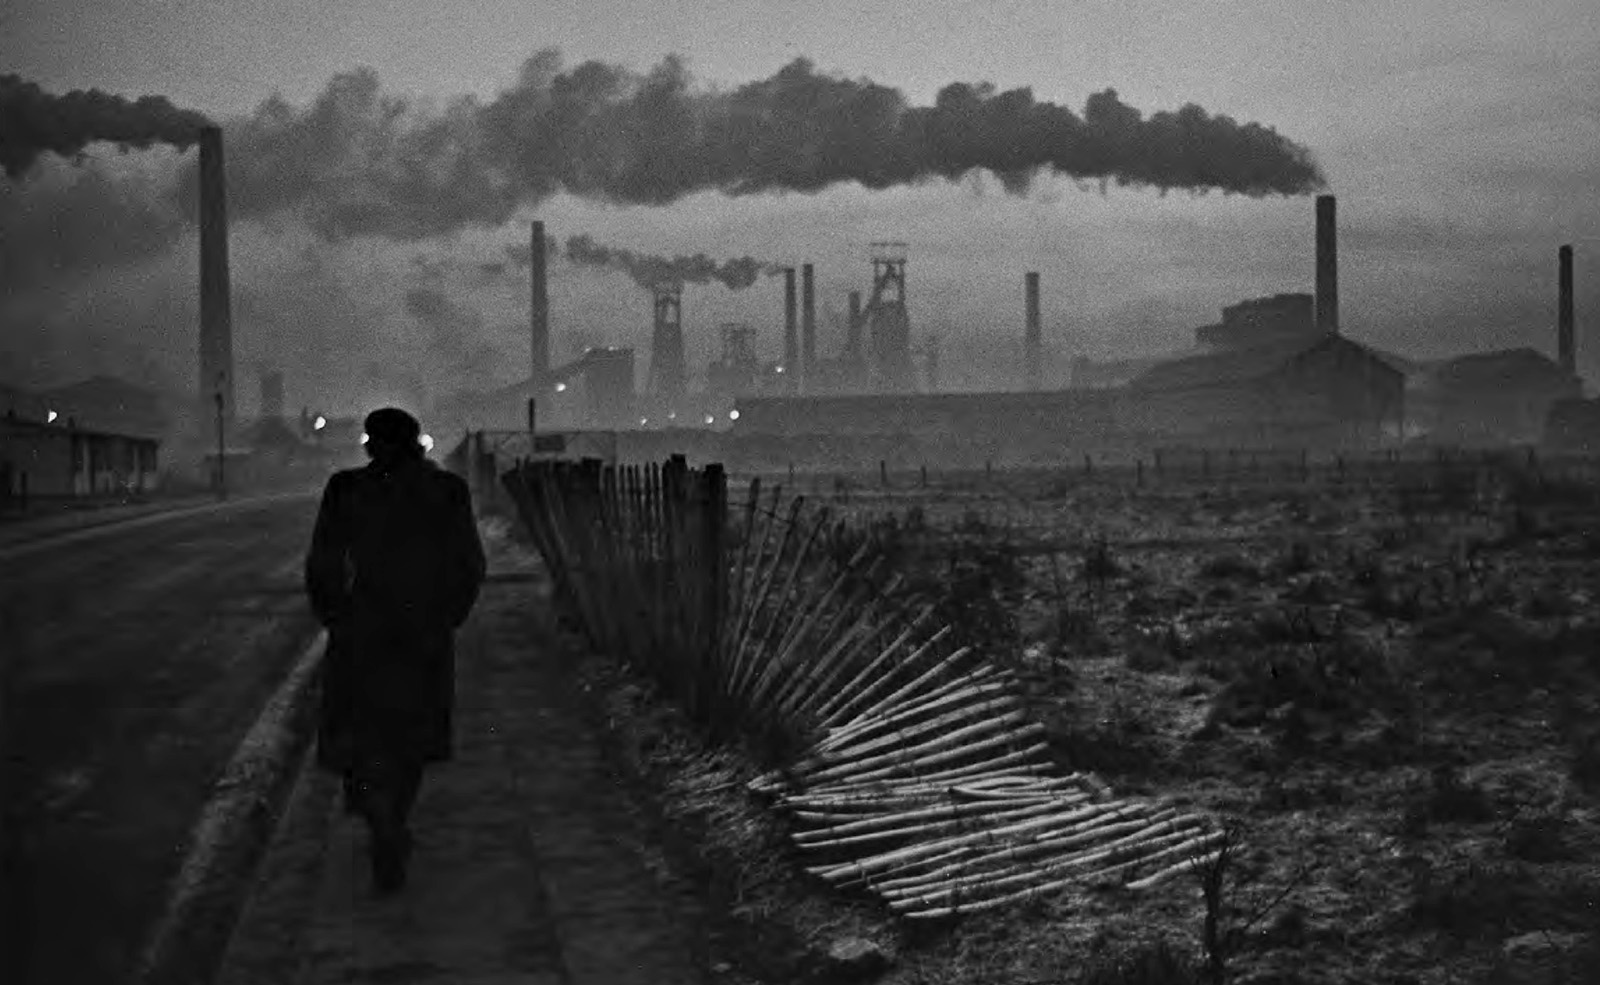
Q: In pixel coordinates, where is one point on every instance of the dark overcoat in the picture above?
(394, 569)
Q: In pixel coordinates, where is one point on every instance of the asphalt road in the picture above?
(135, 657)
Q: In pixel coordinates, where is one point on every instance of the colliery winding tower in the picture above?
(888, 323)
(666, 342)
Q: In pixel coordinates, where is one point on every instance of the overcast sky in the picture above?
(1462, 138)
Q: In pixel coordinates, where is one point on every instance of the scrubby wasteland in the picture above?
(1379, 678)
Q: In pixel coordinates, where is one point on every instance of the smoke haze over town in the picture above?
(379, 195)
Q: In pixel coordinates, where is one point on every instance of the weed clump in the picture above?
(1445, 799)
(1345, 679)
(1160, 963)
(1230, 566)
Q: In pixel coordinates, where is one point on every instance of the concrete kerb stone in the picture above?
(232, 833)
(26, 537)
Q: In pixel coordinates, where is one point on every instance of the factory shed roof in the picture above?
(18, 424)
(1241, 365)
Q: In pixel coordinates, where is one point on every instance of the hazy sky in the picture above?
(1462, 138)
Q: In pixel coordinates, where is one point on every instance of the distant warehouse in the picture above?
(39, 458)
(1322, 391)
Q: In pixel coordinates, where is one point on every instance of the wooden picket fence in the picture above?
(904, 758)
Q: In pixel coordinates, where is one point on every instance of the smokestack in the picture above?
(808, 329)
(1564, 340)
(853, 344)
(216, 317)
(271, 395)
(539, 309)
(1033, 343)
(1327, 313)
(791, 338)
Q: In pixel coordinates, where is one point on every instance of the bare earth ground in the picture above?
(1390, 687)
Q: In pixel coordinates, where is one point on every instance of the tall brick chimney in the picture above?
(808, 327)
(216, 315)
(1033, 341)
(539, 308)
(1327, 311)
(791, 333)
(1564, 339)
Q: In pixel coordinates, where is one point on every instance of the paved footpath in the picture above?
(522, 872)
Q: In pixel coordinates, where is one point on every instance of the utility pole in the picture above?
(222, 483)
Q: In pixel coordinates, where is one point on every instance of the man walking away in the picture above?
(394, 569)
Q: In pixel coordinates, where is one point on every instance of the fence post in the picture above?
(1158, 463)
(1138, 473)
(1088, 465)
(924, 476)
(883, 473)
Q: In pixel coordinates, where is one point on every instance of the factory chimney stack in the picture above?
(1564, 340)
(791, 338)
(539, 308)
(216, 317)
(808, 327)
(1033, 341)
(1327, 312)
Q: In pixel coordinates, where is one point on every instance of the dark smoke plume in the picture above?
(357, 162)
(33, 122)
(648, 271)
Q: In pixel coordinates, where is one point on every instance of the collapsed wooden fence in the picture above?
(903, 756)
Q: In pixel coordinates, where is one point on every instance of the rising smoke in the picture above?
(33, 123)
(357, 162)
(648, 271)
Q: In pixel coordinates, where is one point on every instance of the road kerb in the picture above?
(232, 832)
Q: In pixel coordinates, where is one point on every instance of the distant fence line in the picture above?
(1186, 467)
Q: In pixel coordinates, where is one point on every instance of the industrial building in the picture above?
(1274, 370)
(1492, 398)
(58, 458)
(1572, 427)
(1313, 391)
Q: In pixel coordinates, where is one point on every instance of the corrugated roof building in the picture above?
(1319, 390)
(1495, 398)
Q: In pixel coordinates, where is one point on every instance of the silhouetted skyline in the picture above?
(1459, 139)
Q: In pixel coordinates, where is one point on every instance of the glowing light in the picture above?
(710, 419)
(561, 388)
(672, 415)
(427, 442)
(50, 417)
(363, 437)
(780, 369)
(320, 423)
(643, 421)
(733, 415)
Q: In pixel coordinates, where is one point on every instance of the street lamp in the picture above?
(222, 481)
